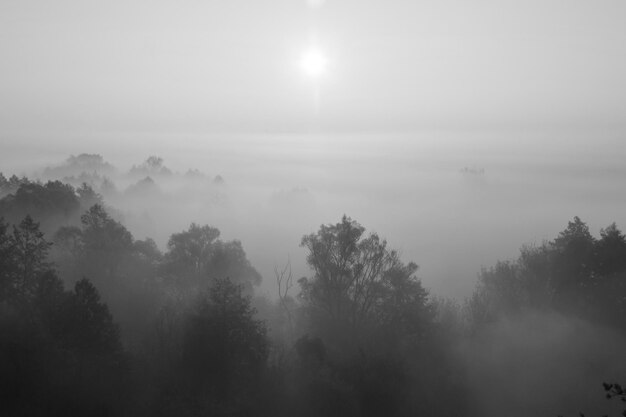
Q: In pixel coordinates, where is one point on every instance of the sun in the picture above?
(313, 63)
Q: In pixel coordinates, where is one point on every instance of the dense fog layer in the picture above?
(450, 201)
(313, 275)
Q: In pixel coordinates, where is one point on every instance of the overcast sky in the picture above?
(203, 65)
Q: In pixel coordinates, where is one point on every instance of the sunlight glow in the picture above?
(314, 4)
(313, 63)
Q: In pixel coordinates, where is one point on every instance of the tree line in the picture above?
(96, 322)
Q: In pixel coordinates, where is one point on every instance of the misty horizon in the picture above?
(312, 208)
(424, 171)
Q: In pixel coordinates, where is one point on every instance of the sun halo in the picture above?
(313, 63)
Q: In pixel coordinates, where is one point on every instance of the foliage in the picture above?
(613, 391)
(364, 337)
(196, 257)
(49, 203)
(60, 352)
(102, 233)
(224, 350)
(575, 274)
(24, 255)
(373, 325)
(83, 166)
(152, 166)
(223, 343)
(357, 280)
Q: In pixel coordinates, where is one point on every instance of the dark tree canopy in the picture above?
(189, 252)
(60, 352)
(222, 339)
(196, 257)
(145, 333)
(358, 280)
(87, 322)
(611, 251)
(48, 203)
(101, 232)
(575, 274)
(24, 259)
(224, 350)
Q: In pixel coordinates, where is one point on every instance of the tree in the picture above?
(611, 251)
(49, 203)
(7, 266)
(608, 290)
(500, 291)
(196, 257)
(573, 260)
(30, 250)
(333, 257)
(284, 281)
(535, 269)
(60, 352)
(101, 232)
(189, 252)
(230, 260)
(574, 251)
(69, 239)
(224, 348)
(612, 391)
(147, 250)
(152, 166)
(86, 323)
(574, 273)
(357, 279)
(87, 196)
(403, 301)
(4, 185)
(106, 243)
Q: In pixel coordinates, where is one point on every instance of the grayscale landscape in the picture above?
(312, 208)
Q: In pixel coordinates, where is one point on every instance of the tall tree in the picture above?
(611, 251)
(86, 323)
(106, 243)
(30, 252)
(356, 279)
(49, 203)
(7, 266)
(574, 253)
(190, 251)
(196, 257)
(224, 351)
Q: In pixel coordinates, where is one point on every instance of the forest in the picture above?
(95, 322)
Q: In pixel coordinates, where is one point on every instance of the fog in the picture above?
(523, 366)
(516, 307)
(139, 65)
(312, 208)
(450, 201)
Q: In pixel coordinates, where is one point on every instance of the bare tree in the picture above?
(284, 279)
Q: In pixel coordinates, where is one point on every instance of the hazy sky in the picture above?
(205, 65)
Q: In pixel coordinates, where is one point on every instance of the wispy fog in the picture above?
(543, 364)
(312, 208)
(450, 201)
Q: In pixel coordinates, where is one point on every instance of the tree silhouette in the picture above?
(196, 257)
(190, 251)
(357, 279)
(224, 349)
(573, 258)
(106, 244)
(87, 324)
